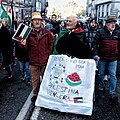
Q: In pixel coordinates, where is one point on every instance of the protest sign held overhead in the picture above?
(68, 85)
(22, 32)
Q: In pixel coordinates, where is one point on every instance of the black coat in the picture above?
(6, 45)
(107, 45)
(74, 44)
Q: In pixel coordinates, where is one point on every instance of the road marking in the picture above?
(25, 108)
(35, 113)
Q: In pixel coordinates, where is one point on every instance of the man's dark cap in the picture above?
(93, 20)
(109, 20)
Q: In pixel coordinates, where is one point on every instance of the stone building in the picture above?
(102, 9)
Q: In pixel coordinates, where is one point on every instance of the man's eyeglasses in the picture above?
(69, 21)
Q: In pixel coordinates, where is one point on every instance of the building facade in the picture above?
(23, 8)
(102, 9)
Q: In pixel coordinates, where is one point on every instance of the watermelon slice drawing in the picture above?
(73, 79)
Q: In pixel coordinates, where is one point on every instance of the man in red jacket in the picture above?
(107, 41)
(40, 44)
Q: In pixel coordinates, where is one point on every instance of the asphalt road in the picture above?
(13, 94)
(103, 109)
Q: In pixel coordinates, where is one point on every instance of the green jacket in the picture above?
(63, 32)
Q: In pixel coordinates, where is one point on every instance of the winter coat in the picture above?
(72, 43)
(54, 25)
(39, 47)
(107, 45)
(6, 45)
(22, 54)
(90, 34)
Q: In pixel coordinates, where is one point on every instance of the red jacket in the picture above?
(39, 48)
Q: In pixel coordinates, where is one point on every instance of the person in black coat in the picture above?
(72, 41)
(6, 48)
(23, 60)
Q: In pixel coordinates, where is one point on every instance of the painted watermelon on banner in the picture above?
(73, 79)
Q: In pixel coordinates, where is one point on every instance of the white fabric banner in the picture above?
(68, 85)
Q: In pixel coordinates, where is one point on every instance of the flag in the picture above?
(0, 2)
(4, 14)
(10, 16)
(22, 32)
(78, 100)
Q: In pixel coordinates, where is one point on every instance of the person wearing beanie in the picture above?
(107, 48)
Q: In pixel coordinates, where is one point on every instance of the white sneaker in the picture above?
(106, 78)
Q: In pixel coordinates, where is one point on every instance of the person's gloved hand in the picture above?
(96, 58)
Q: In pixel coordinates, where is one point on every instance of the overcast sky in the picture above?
(53, 3)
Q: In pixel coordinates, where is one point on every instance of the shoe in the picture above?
(22, 79)
(10, 76)
(105, 78)
(33, 99)
(28, 83)
(113, 98)
(100, 89)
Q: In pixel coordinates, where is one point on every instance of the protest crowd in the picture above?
(89, 40)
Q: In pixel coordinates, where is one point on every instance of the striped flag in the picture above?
(22, 32)
(10, 16)
(78, 100)
(4, 14)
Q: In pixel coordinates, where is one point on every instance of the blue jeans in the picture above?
(25, 70)
(111, 66)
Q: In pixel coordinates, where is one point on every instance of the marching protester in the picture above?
(5, 22)
(90, 33)
(6, 48)
(23, 60)
(106, 48)
(72, 41)
(53, 23)
(40, 44)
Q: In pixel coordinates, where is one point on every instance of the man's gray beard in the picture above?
(69, 28)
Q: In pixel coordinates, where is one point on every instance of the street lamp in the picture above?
(12, 13)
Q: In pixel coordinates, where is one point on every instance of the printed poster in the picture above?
(68, 85)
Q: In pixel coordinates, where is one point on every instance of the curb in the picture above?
(25, 108)
(35, 113)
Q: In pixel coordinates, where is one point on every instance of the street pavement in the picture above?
(16, 103)
(103, 109)
(13, 94)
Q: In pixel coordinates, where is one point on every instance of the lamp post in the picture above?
(12, 14)
(35, 5)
